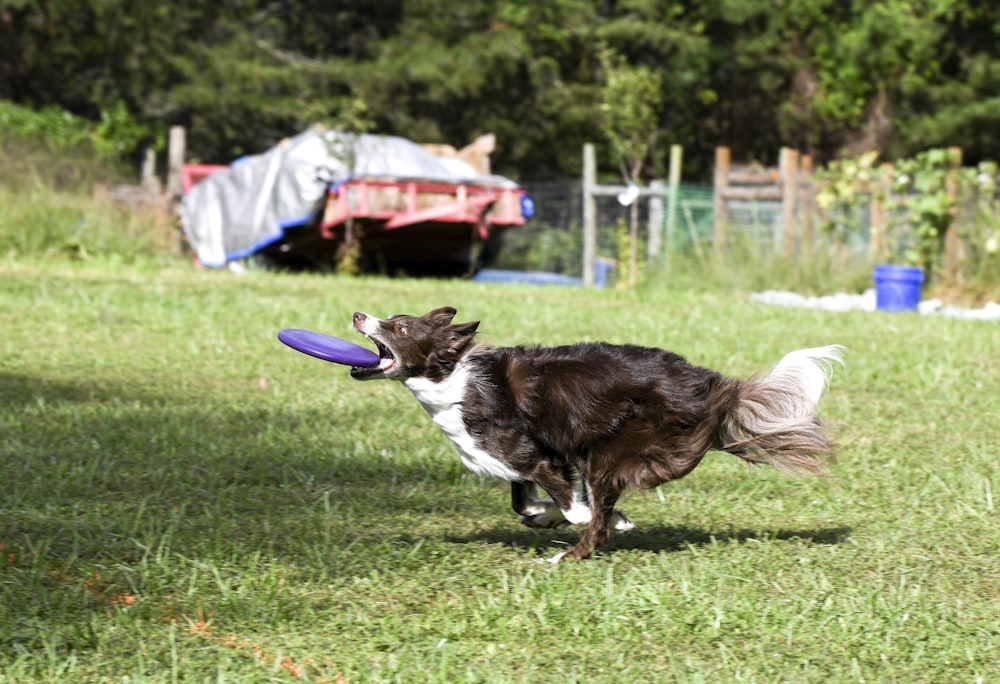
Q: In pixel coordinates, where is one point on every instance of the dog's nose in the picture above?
(359, 319)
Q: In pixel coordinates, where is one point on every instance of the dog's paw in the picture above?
(621, 523)
(544, 521)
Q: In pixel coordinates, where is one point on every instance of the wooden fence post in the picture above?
(148, 173)
(720, 185)
(788, 168)
(589, 214)
(654, 245)
(806, 193)
(673, 183)
(954, 250)
(879, 230)
(176, 152)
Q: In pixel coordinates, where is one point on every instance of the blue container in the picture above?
(897, 288)
(602, 269)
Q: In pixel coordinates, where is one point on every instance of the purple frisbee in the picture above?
(328, 348)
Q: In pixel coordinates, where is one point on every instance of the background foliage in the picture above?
(821, 75)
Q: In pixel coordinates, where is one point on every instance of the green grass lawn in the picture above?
(185, 499)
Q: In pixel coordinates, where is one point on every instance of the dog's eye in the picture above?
(403, 331)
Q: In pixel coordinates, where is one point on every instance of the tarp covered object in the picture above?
(237, 211)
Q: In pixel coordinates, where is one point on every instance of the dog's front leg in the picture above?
(603, 496)
(523, 498)
(566, 505)
(535, 512)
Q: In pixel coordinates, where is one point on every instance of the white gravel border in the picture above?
(843, 301)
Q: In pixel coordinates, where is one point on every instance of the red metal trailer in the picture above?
(409, 226)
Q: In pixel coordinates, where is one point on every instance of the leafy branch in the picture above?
(926, 196)
(630, 111)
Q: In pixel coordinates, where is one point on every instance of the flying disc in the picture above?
(328, 348)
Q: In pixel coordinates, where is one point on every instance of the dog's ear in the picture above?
(465, 329)
(440, 316)
(461, 336)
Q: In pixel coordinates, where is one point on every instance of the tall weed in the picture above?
(48, 203)
(746, 265)
(40, 220)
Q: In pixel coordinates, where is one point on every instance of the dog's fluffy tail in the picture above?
(773, 420)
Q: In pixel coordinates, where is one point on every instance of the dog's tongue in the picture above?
(385, 363)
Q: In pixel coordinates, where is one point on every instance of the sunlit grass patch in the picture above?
(187, 499)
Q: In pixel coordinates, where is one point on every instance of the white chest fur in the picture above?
(443, 402)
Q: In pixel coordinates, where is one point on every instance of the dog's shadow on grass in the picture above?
(655, 538)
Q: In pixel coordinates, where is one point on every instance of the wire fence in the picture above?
(553, 239)
(838, 239)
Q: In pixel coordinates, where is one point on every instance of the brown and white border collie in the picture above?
(587, 421)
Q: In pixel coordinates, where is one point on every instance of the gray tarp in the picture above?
(237, 211)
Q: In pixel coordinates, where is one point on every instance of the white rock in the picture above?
(929, 306)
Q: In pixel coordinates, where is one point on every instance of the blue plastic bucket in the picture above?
(897, 288)
(602, 269)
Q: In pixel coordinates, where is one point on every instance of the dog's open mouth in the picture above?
(386, 361)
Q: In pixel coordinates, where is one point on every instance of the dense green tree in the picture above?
(826, 76)
(525, 71)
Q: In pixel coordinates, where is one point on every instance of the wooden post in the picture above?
(807, 196)
(954, 250)
(720, 186)
(673, 182)
(654, 246)
(879, 231)
(589, 214)
(148, 175)
(176, 152)
(633, 244)
(788, 168)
